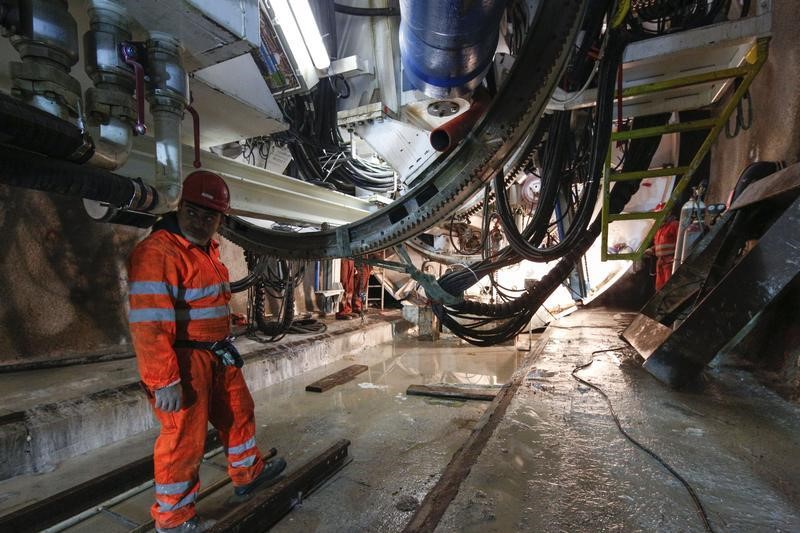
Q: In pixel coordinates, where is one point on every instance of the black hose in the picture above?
(34, 171)
(518, 312)
(367, 11)
(29, 128)
(600, 141)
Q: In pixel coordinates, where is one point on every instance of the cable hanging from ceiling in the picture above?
(572, 160)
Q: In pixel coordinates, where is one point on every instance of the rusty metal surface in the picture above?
(61, 506)
(267, 507)
(747, 289)
(646, 334)
(786, 181)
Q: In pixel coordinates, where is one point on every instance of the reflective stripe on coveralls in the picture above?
(180, 291)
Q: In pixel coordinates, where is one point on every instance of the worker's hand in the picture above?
(169, 398)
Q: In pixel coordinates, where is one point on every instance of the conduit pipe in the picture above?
(453, 131)
(21, 168)
(30, 128)
(110, 107)
(168, 97)
(46, 37)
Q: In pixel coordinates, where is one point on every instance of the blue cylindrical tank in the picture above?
(447, 46)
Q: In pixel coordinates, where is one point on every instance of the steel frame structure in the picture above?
(746, 73)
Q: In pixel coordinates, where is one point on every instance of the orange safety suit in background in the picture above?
(179, 291)
(355, 282)
(665, 239)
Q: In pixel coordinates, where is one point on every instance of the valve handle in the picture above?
(196, 127)
(130, 55)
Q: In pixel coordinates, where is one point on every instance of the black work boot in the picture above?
(268, 476)
(193, 525)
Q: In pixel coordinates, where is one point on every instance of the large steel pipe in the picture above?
(448, 46)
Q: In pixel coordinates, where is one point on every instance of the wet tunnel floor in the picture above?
(400, 444)
(557, 462)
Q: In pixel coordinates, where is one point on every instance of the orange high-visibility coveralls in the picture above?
(355, 281)
(664, 240)
(179, 291)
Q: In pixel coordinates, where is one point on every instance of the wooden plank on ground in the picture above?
(337, 378)
(486, 394)
(267, 507)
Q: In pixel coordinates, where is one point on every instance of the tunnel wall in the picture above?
(772, 347)
(773, 135)
(63, 280)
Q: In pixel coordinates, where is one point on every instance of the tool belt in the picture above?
(224, 350)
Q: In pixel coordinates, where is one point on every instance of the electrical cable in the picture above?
(469, 319)
(600, 141)
(698, 504)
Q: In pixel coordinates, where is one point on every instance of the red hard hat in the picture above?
(206, 189)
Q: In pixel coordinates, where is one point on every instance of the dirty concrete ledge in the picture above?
(38, 437)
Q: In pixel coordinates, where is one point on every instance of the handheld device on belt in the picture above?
(224, 349)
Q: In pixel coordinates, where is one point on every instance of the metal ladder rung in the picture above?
(706, 77)
(652, 173)
(657, 131)
(637, 215)
(631, 256)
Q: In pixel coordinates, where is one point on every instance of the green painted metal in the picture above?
(657, 131)
(652, 173)
(754, 60)
(639, 215)
(697, 79)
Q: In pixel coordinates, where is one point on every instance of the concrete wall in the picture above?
(776, 109)
(62, 278)
(63, 281)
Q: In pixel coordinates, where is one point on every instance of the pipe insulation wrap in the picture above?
(448, 46)
(34, 171)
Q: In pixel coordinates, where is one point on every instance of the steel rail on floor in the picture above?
(99, 495)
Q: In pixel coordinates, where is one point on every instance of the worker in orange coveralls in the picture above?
(180, 325)
(355, 281)
(664, 249)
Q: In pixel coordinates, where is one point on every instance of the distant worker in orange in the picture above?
(664, 249)
(180, 325)
(355, 282)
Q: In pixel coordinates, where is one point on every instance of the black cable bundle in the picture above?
(320, 155)
(670, 16)
(280, 285)
(469, 320)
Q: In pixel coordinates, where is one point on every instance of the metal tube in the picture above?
(109, 104)
(453, 131)
(167, 177)
(80, 517)
(46, 38)
(168, 98)
(112, 144)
